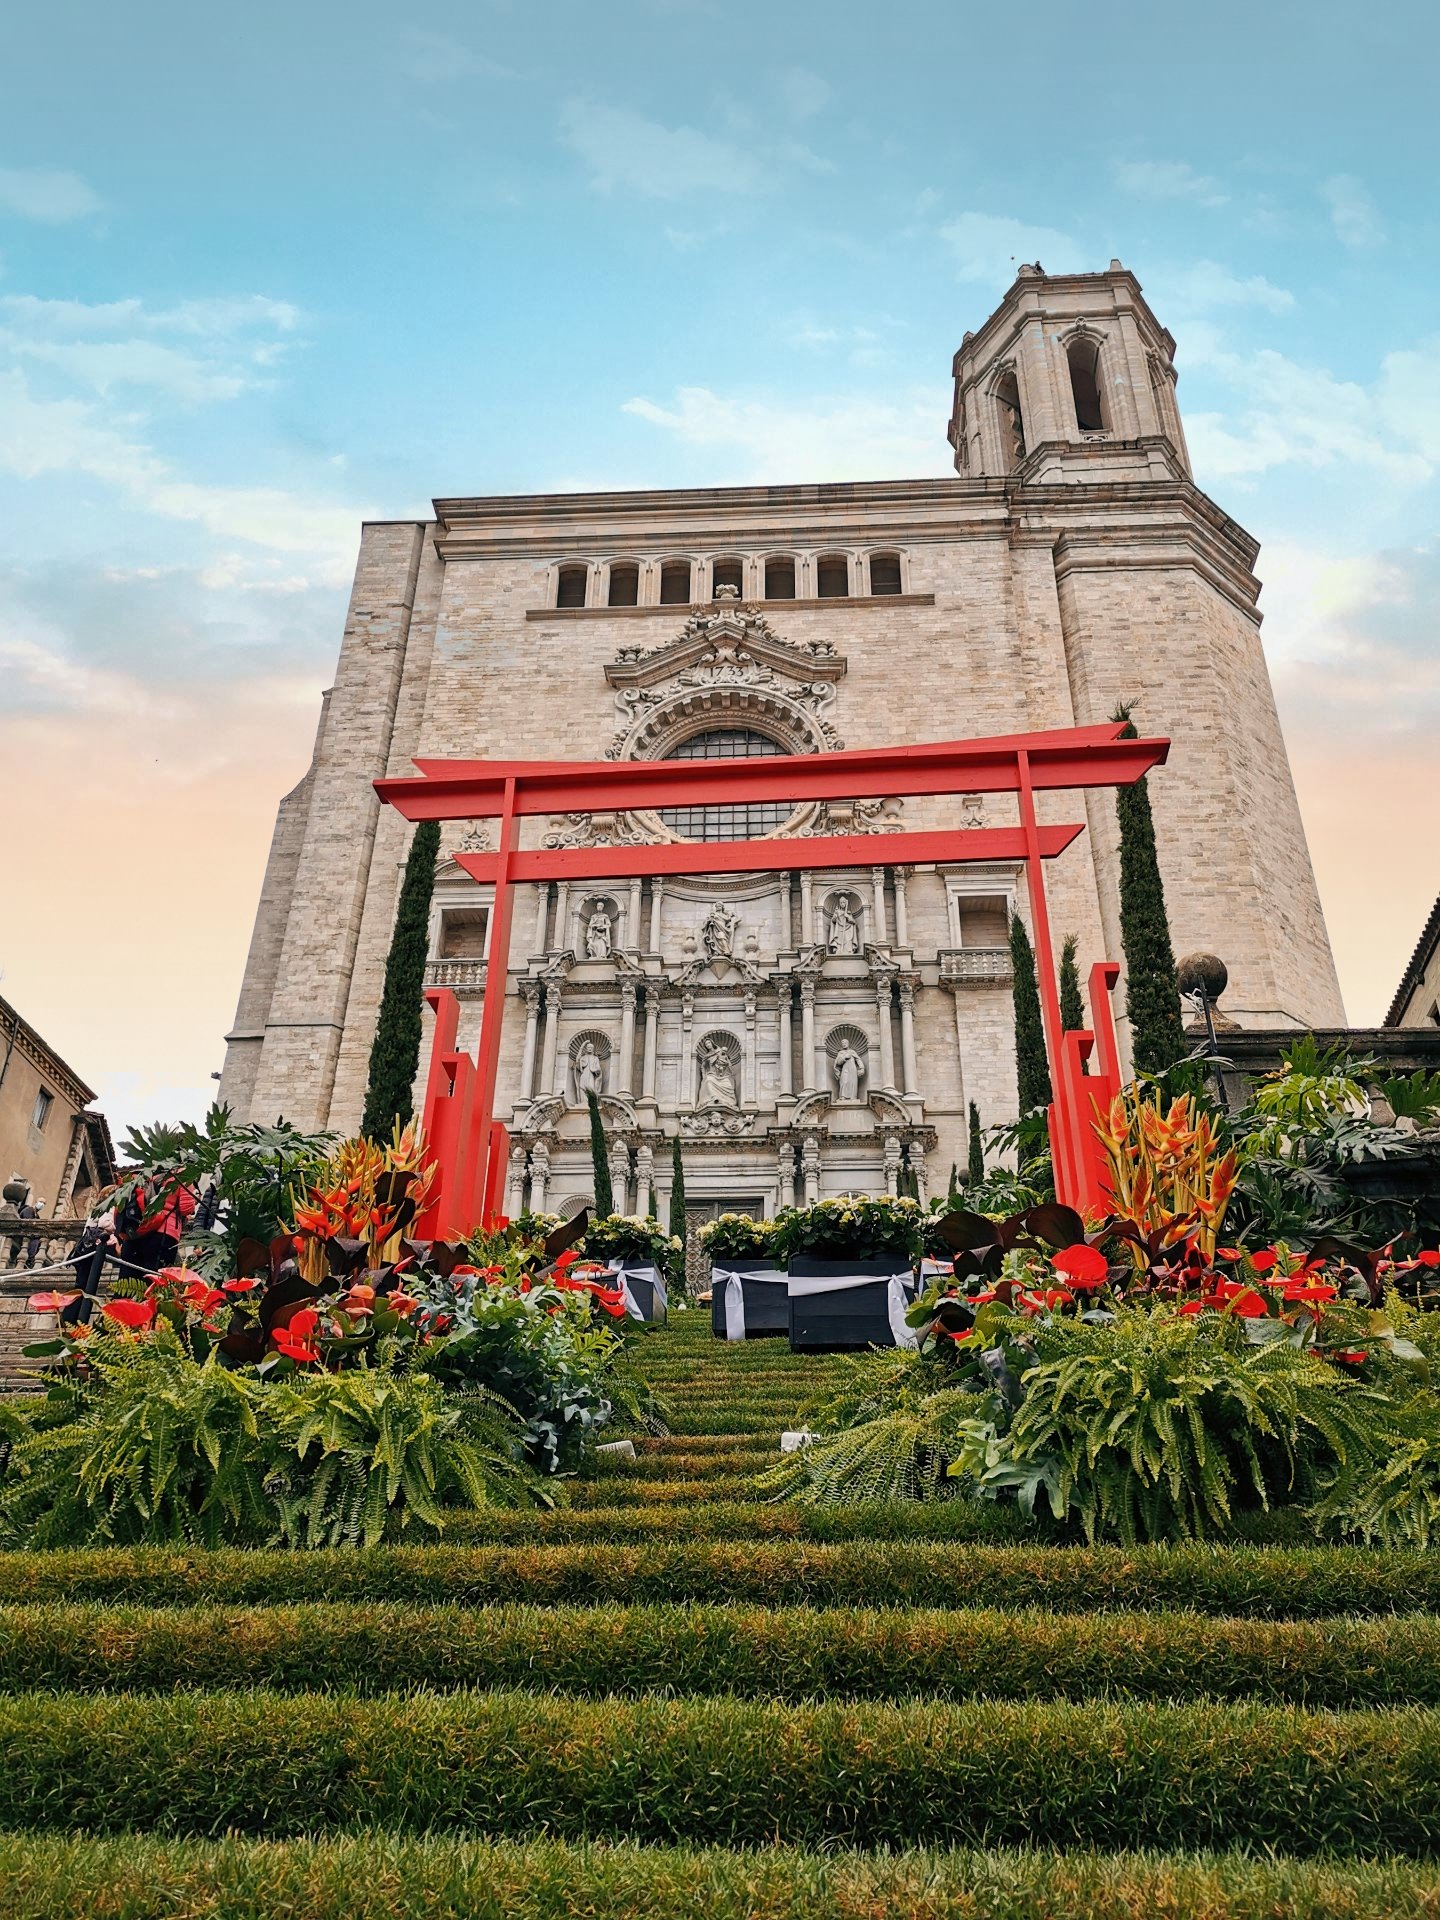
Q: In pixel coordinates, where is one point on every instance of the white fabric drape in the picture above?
(897, 1299)
(733, 1283)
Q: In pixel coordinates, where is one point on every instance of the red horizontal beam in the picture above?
(1068, 757)
(769, 856)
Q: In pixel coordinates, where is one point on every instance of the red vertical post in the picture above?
(497, 977)
(1062, 1114)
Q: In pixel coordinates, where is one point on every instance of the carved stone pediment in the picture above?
(727, 645)
(717, 1122)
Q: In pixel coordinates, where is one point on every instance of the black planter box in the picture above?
(645, 1289)
(766, 1302)
(847, 1317)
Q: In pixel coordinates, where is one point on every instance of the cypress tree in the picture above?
(975, 1166)
(1072, 1007)
(600, 1159)
(1032, 1070)
(952, 1192)
(395, 1050)
(1152, 996)
(677, 1209)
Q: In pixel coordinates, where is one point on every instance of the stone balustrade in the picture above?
(975, 967)
(461, 976)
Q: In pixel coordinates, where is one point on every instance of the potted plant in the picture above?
(637, 1252)
(749, 1286)
(851, 1262)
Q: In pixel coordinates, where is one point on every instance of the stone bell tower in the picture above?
(1071, 379)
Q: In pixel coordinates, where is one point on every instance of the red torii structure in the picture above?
(471, 1148)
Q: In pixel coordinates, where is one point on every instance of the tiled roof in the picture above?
(1414, 973)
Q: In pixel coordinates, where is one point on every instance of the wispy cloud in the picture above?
(625, 151)
(1168, 180)
(1207, 285)
(435, 59)
(988, 247)
(804, 93)
(50, 194)
(842, 438)
(1353, 214)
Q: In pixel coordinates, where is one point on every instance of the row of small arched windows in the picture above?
(779, 576)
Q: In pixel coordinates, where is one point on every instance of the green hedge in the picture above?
(708, 1464)
(792, 1653)
(727, 1771)
(727, 1518)
(378, 1878)
(620, 1491)
(1274, 1582)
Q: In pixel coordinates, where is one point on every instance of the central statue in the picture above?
(718, 933)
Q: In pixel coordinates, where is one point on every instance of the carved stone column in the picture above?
(917, 1167)
(515, 1194)
(531, 993)
(552, 1075)
(807, 1034)
(902, 920)
(785, 1169)
(657, 894)
(652, 1038)
(685, 1093)
(632, 923)
(644, 1177)
(887, 1037)
(882, 925)
(892, 1164)
(747, 1058)
(807, 911)
(625, 1066)
(562, 914)
(907, 1034)
(539, 1175)
(787, 1052)
(810, 1166)
(542, 915)
(619, 1173)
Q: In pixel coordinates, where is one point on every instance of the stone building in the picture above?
(816, 1033)
(50, 1136)
(1416, 1002)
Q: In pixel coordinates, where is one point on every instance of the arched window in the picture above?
(1083, 353)
(728, 573)
(1012, 421)
(780, 578)
(884, 573)
(624, 584)
(751, 820)
(675, 584)
(570, 589)
(832, 576)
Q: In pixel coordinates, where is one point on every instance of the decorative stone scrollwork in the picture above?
(592, 830)
(717, 1123)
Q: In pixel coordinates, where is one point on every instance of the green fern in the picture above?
(907, 1454)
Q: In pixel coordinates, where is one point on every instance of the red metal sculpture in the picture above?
(471, 1147)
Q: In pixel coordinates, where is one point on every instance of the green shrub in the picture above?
(158, 1448)
(792, 1653)
(738, 1772)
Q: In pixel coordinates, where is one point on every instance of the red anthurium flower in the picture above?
(402, 1303)
(1248, 1304)
(1264, 1260)
(138, 1315)
(1302, 1292)
(612, 1300)
(302, 1352)
(170, 1277)
(457, 1272)
(1428, 1257)
(1058, 1296)
(1082, 1266)
(567, 1258)
(983, 1298)
(1353, 1358)
(201, 1298)
(302, 1325)
(1228, 1253)
(1191, 1306)
(239, 1286)
(965, 1333)
(50, 1302)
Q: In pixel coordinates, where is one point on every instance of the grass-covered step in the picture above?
(791, 1654)
(740, 1465)
(1258, 1582)
(442, 1877)
(733, 1772)
(712, 1443)
(644, 1517)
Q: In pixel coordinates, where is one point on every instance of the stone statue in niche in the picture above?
(597, 933)
(844, 930)
(589, 1072)
(718, 932)
(717, 1076)
(849, 1065)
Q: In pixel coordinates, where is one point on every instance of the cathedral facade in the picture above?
(811, 1033)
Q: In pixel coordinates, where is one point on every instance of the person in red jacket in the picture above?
(154, 1241)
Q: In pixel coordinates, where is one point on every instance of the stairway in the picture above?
(673, 1698)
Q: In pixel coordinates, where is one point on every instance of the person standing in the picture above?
(155, 1237)
(94, 1247)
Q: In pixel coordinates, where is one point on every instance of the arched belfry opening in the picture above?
(1011, 420)
(1086, 387)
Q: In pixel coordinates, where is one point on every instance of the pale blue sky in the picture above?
(261, 274)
